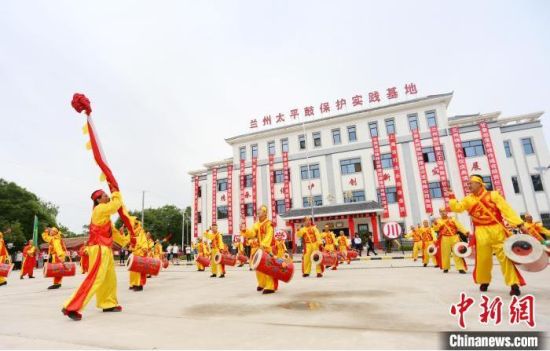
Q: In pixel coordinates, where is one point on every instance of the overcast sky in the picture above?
(169, 80)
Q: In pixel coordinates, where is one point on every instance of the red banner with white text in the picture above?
(230, 199)
(214, 194)
(272, 189)
(440, 160)
(461, 160)
(380, 176)
(196, 208)
(428, 207)
(241, 190)
(286, 185)
(254, 187)
(397, 176)
(491, 158)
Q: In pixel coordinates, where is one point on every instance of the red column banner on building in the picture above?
(461, 160)
(214, 194)
(241, 189)
(196, 208)
(254, 187)
(286, 185)
(397, 176)
(272, 189)
(230, 199)
(380, 176)
(422, 170)
(440, 160)
(491, 157)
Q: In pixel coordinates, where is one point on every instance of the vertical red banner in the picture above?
(230, 199)
(397, 175)
(440, 160)
(491, 157)
(196, 208)
(380, 176)
(286, 185)
(460, 159)
(241, 189)
(272, 189)
(422, 170)
(254, 187)
(214, 194)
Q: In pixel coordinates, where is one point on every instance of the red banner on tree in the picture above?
(422, 170)
(196, 208)
(286, 185)
(440, 160)
(272, 189)
(254, 187)
(230, 199)
(241, 189)
(214, 194)
(380, 176)
(491, 157)
(397, 175)
(461, 160)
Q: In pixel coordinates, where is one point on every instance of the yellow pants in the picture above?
(306, 259)
(280, 253)
(56, 280)
(2, 260)
(447, 243)
(100, 281)
(426, 257)
(344, 251)
(417, 247)
(489, 240)
(214, 267)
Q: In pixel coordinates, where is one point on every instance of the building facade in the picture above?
(359, 170)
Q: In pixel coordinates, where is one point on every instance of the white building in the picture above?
(342, 180)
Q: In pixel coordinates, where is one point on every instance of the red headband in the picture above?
(97, 194)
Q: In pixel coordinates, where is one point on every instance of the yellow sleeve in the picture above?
(458, 206)
(409, 235)
(505, 209)
(436, 225)
(111, 207)
(334, 239)
(249, 234)
(58, 249)
(268, 238)
(284, 246)
(119, 238)
(300, 232)
(541, 229)
(460, 227)
(46, 237)
(317, 234)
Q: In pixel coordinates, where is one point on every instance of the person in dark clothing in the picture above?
(370, 246)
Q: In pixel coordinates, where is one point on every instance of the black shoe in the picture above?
(268, 291)
(259, 288)
(131, 288)
(21, 277)
(436, 266)
(240, 265)
(75, 316)
(319, 275)
(138, 288)
(31, 277)
(54, 286)
(213, 276)
(305, 275)
(113, 309)
(4, 283)
(462, 271)
(425, 265)
(483, 287)
(514, 290)
(222, 276)
(250, 269)
(445, 271)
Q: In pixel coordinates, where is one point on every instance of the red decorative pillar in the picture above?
(351, 225)
(374, 225)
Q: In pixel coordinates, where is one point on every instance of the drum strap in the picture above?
(488, 212)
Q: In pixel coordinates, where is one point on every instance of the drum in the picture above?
(325, 258)
(226, 259)
(432, 249)
(147, 265)
(242, 259)
(203, 261)
(59, 269)
(5, 269)
(463, 250)
(165, 263)
(276, 268)
(352, 254)
(526, 252)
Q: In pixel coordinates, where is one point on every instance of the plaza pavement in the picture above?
(369, 304)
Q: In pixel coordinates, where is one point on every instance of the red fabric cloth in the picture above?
(101, 234)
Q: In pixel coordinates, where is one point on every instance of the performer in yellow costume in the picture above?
(343, 246)
(56, 251)
(535, 229)
(157, 250)
(428, 238)
(311, 240)
(216, 245)
(29, 260)
(488, 210)
(263, 232)
(329, 243)
(202, 250)
(415, 235)
(4, 257)
(280, 247)
(448, 229)
(251, 242)
(239, 247)
(141, 249)
(101, 278)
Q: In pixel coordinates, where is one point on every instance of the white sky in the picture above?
(169, 80)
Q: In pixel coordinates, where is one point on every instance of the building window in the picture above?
(428, 154)
(545, 218)
(279, 176)
(249, 209)
(373, 128)
(280, 206)
(515, 184)
(413, 121)
(316, 200)
(254, 150)
(386, 161)
(354, 196)
(349, 166)
(284, 145)
(222, 212)
(488, 182)
(352, 134)
(222, 184)
(527, 146)
(242, 152)
(391, 195)
(390, 126)
(507, 148)
(431, 119)
(271, 148)
(199, 217)
(537, 182)
(336, 137)
(302, 141)
(473, 148)
(313, 171)
(435, 190)
(247, 180)
(316, 139)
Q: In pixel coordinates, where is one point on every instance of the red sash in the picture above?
(101, 234)
(479, 214)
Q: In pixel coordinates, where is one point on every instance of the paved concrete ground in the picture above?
(368, 304)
